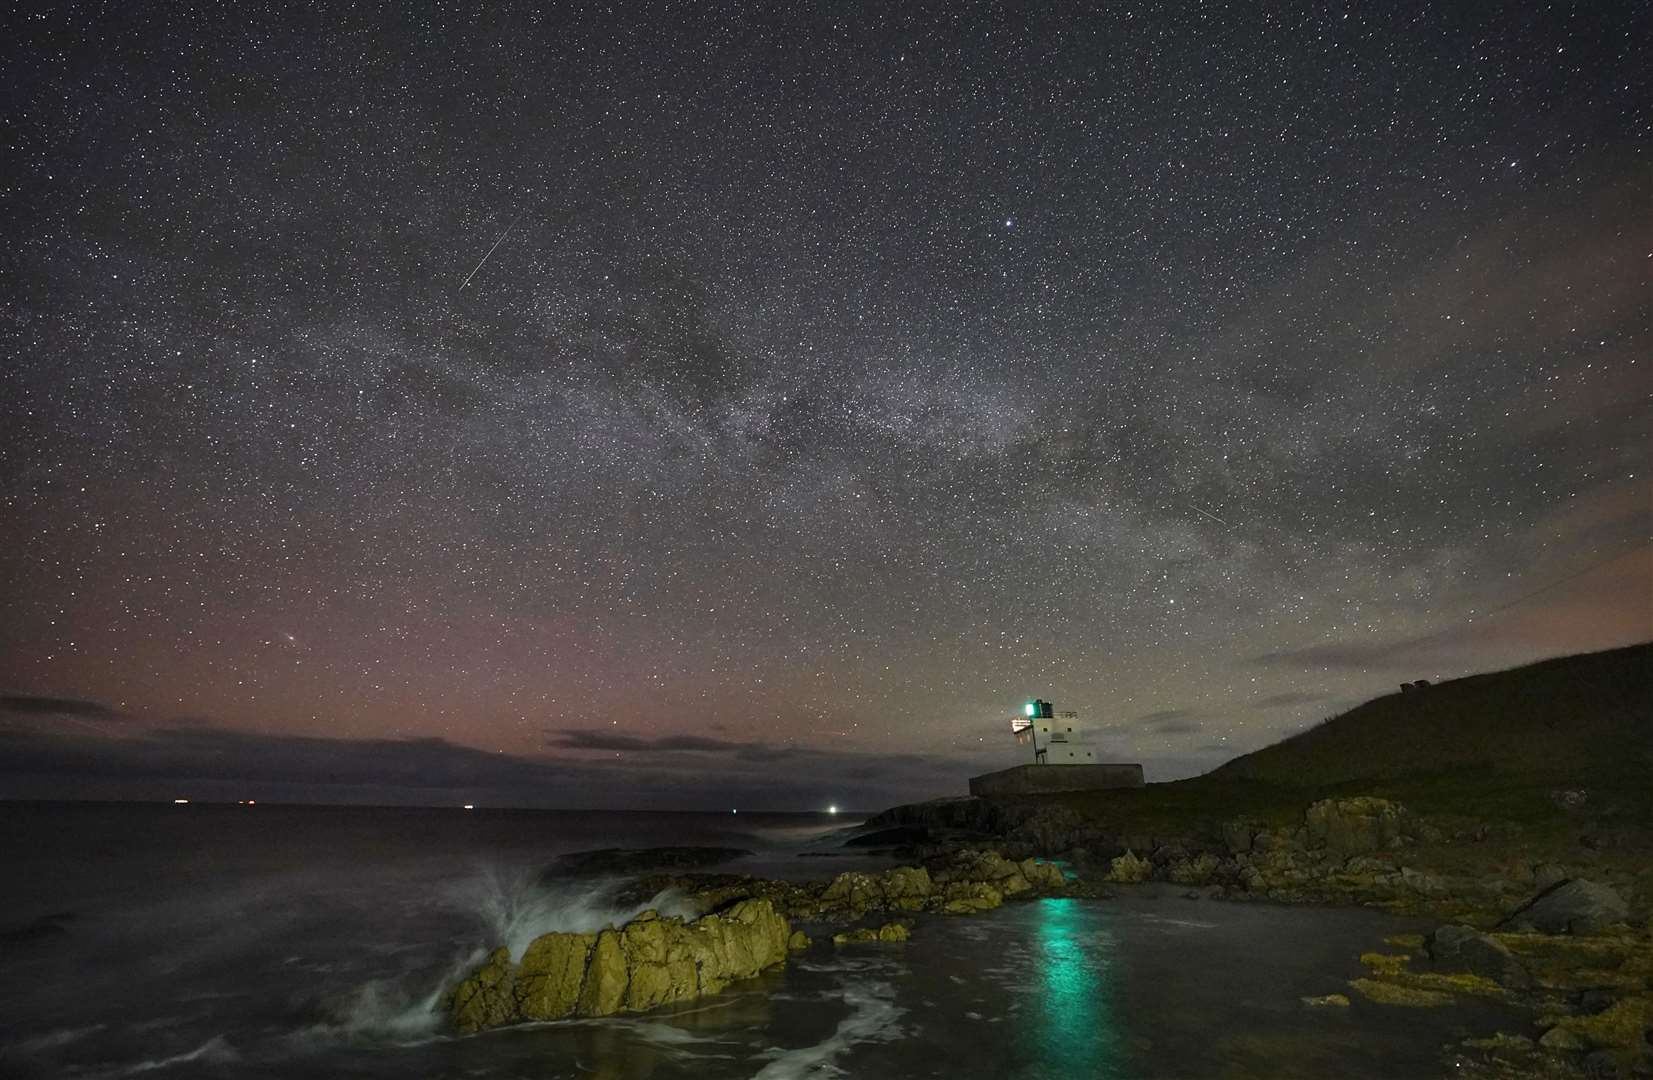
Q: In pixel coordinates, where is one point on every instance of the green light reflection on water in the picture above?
(1070, 1030)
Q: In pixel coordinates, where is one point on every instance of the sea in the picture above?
(228, 941)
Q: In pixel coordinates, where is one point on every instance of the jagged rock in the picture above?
(552, 971)
(486, 999)
(888, 934)
(1559, 1038)
(648, 962)
(1129, 868)
(1462, 948)
(1354, 826)
(1195, 871)
(1044, 876)
(965, 897)
(798, 942)
(1573, 907)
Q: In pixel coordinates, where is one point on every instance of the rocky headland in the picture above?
(1514, 810)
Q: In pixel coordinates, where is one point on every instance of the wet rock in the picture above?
(648, 962)
(967, 897)
(486, 999)
(1353, 826)
(1462, 948)
(1559, 1038)
(1383, 993)
(1573, 907)
(892, 933)
(1129, 868)
(552, 971)
(1196, 871)
(1043, 876)
(798, 942)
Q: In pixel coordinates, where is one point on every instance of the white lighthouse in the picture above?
(1061, 740)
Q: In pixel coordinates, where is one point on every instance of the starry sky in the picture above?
(683, 406)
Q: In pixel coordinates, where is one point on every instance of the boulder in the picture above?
(888, 934)
(1462, 948)
(1043, 876)
(1195, 871)
(648, 962)
(1238, 836)
(1573, 907)
(798, 942)
(965, 897)
(1354, 826)
(1129, 868)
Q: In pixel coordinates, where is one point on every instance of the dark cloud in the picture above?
(30, 705)
(223, 763)
(605, 740)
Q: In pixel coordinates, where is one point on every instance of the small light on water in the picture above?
(734, 811)
(180, 802)
(470, 806)
(832, 809)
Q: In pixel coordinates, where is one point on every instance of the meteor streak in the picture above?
(490, 254)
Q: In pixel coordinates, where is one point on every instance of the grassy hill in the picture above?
(1492, 746)
(1589, 716)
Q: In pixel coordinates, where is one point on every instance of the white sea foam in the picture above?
(216, 1051)
(517, 906)
(873, 1018)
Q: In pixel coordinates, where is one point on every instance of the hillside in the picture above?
(1589, 715)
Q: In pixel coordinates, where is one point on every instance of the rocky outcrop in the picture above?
(1354, 826)
(1572, 907)
(649, 961)
(1129, 868)
(889, 934)
(1463, 948)
(954, 882)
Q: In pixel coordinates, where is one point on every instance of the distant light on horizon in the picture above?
(833, 809)
(180, 802)
(469, 806)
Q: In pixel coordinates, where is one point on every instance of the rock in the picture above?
(1546, 876)
(1559, 1038)
(1238, 836)
(965, 897)
(1573, 907)
(888, 934)
(1195, 871)
(1043, 876)
(1462, 948)
(1338, 1000)
(1419, 881)
(798, 942)
(549, 978)
(648, 962)
(1129, 868)
(486, 999)
(1623, 1027)
(1354, 826)
(907, 882)
(1392, 994)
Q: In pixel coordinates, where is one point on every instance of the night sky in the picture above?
(709, 405)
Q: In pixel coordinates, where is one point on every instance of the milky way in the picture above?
(826, 381)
